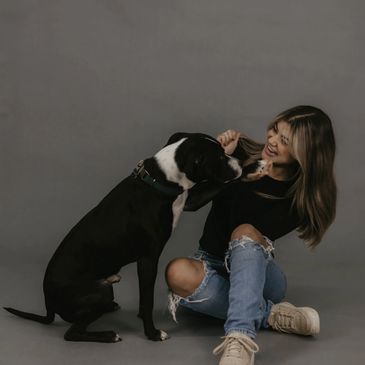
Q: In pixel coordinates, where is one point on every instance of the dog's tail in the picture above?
(49, 318)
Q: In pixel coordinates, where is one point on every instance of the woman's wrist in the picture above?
(229, 140)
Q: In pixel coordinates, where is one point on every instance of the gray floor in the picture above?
(330, 291)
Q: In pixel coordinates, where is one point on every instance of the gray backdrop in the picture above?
(88, 88)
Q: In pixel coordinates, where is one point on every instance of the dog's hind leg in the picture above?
(87, 308)
(78, 332)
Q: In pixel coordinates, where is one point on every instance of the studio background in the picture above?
(88, 88)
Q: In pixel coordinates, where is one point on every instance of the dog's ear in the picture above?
(176, 137)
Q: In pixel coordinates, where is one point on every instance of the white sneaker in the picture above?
(285, 317)
(238, 349)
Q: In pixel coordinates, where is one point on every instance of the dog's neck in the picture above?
(167, 168)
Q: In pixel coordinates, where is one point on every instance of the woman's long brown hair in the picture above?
(314, 191)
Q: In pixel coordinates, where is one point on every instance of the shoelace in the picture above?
(283, 322)
(234, 346)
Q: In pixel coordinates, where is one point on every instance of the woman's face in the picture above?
(276, 148)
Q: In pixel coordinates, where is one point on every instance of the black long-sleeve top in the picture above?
(237, 203)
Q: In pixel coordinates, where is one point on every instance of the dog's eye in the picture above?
(196, 162)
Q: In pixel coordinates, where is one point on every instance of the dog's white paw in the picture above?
(117, 338)
(164, 336)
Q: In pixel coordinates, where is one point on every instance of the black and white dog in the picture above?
(132, 223)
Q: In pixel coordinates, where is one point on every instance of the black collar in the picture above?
(144, 175)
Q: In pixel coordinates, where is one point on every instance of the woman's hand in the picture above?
(229, 140)
(264, 168)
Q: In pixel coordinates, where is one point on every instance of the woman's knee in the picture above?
(184, 275)
(249, 231)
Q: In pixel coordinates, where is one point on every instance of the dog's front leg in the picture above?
(147, 272)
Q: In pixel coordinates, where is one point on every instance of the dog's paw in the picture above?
(164, 336)
(99, 336)
(117, 338)
(110, 336)
(158, 335)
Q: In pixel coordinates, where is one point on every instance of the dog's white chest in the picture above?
(177, 207)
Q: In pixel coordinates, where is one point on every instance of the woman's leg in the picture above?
(275, 283)
(248, 255)
(247, 306)
(262, 307)
(202, 284)
(199, 285)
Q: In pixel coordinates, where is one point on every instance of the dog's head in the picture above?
(198, 157)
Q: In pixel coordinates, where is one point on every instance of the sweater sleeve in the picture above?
(200, 195)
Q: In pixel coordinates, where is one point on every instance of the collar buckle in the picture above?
(143, 174)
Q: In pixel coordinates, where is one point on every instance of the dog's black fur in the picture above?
(132, 223)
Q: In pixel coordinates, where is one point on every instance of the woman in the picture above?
(233, 275)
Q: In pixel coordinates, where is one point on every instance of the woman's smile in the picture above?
(269, 151)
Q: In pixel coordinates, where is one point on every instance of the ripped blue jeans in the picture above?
(241, 289)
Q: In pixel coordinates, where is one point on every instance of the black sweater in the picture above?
(237, 203)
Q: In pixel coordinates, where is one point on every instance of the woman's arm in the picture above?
(200, 195)
(229, 140)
